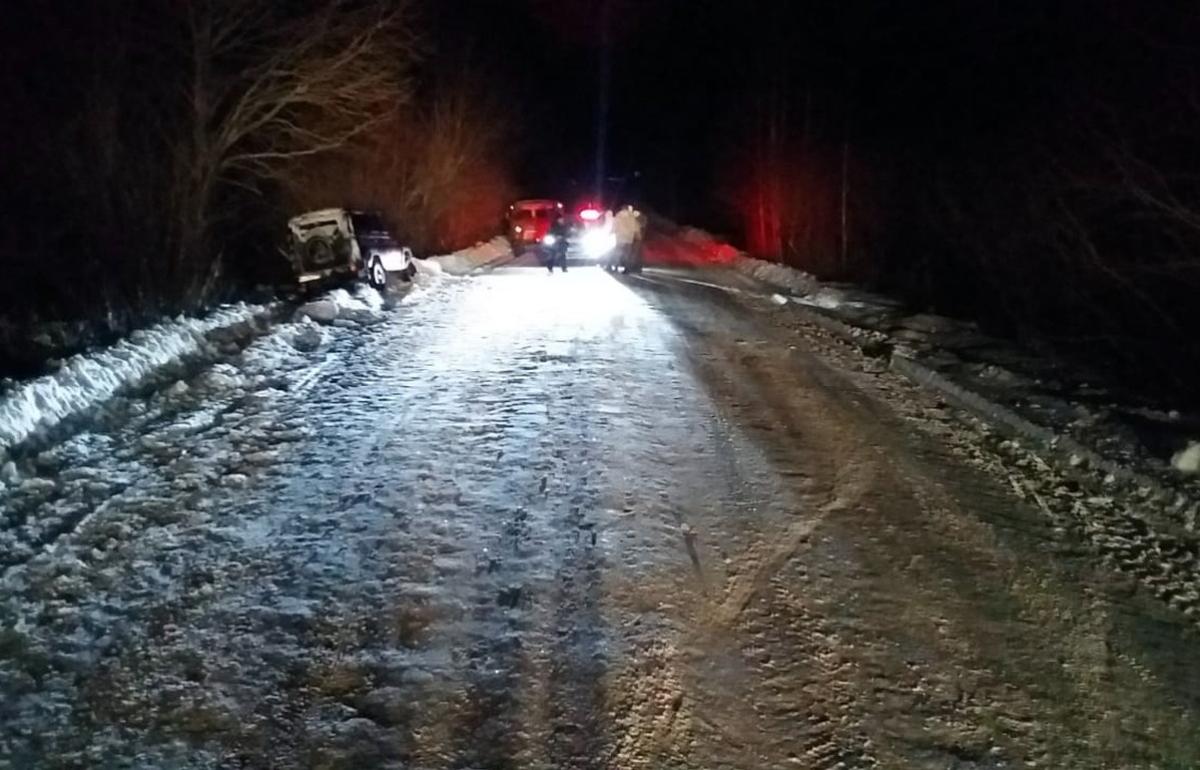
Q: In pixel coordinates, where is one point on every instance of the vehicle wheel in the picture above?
(376, 275)
(409, 272)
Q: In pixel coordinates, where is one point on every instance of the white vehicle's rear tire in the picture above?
(376, 275)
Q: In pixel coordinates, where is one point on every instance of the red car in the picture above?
(528, 221)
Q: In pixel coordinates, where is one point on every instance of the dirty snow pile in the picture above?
(772, 273)
(88, 379)
(1187, 460)
(775, 274)
(363, 305)
(470, 259)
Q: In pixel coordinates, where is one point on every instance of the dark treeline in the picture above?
(1029, 164)
(1032, 165)
(153, 149)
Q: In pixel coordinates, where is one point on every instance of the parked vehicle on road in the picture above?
(528, 221)
(555, 244)
(593, 231)
(343, 244)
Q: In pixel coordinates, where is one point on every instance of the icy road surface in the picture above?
(560, 522)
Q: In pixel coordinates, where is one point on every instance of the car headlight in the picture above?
(597, 243)
(549, 240)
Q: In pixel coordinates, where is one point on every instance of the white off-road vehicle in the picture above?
(332, 244)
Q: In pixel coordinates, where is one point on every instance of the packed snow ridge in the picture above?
(778, 275)
(470, 259)
(88, 379)
(771, 273)
(362, 304)
(1187, 460)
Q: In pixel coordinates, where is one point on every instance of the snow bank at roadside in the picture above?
(90, 378)
(1187, 460)
(780, 276)
(775, 274)
(468, 260)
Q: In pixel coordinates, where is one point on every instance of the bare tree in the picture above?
(440, 172)
(267, 88)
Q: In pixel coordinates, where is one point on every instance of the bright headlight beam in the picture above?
(597, 243)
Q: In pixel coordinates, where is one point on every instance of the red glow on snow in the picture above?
(676, 251)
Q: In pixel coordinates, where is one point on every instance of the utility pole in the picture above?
(602, 97)
(847, 113)
(845, 195)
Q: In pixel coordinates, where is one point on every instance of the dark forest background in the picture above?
(1030, 165)
(154, 149)
(1034, 166)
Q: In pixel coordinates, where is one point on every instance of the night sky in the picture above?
(674, 72)
(685, 77)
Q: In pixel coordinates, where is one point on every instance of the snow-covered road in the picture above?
(568, 521)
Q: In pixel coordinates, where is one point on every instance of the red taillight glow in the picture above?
(589, 215)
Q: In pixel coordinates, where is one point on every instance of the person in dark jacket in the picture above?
(556, 251)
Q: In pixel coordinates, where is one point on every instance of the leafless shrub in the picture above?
(440, 172)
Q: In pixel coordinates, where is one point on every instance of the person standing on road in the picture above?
(557, 252)
(627, 228)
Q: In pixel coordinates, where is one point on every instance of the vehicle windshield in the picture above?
(532, 215)
(368, 223)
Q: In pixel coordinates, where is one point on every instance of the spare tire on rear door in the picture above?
(318, 254)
